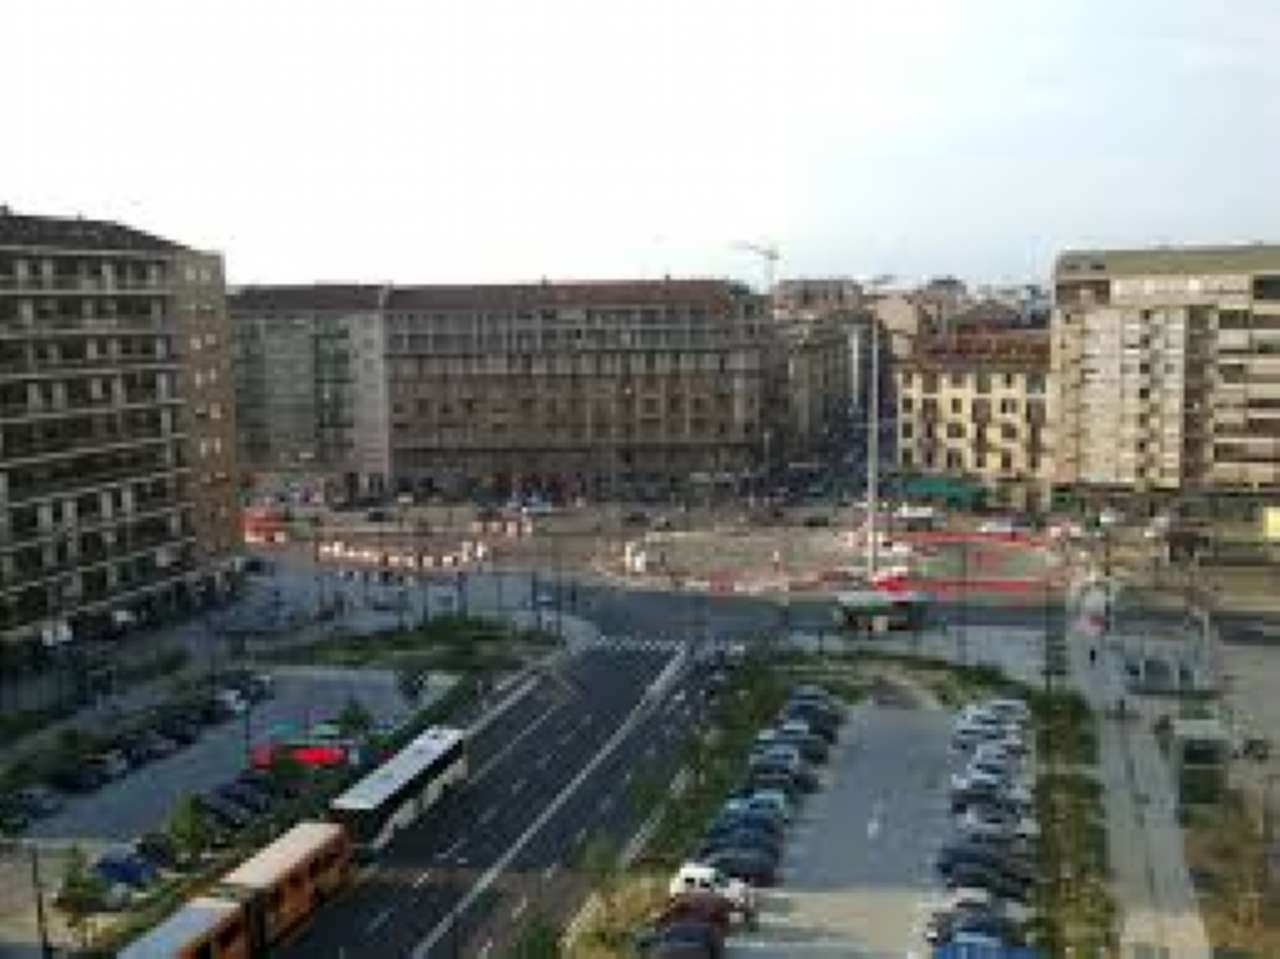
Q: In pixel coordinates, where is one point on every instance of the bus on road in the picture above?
(402, 789)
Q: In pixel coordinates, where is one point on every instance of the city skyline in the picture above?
(495, 141)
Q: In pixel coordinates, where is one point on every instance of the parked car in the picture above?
(743, 835)
(698, 877)
(745, 806)
(767, 777)
(13, 817)
(158, 849)
(701, 906)
(752, 842)
(179, 728)
(685, 938)
(223, 811)
(78, 778)
(958, 854)
(39, 801)
(127, 869)
(745, 864)
(812, 747)
(244, 796)
(754, 820)
(948, 926)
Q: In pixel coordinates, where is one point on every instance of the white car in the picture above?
(694, 877)
(1008, 709)
(984, 823)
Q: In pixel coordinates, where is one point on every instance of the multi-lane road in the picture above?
(550, 775)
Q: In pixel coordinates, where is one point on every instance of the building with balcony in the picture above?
(973, 405)
(1166, 368)
(117, 454)
(576, 388)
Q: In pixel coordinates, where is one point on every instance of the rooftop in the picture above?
(200, 916)
(400, 770)
(345, 297)
(76, 233)
(598, 293)
(994, 348)
(1241, 258)
(266, 867)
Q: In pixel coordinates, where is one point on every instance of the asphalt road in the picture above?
(858, 872)
(528, 809)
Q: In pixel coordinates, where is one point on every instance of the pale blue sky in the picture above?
(486, 140)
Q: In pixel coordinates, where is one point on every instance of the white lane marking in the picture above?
(377, 921)
(451, 850)
(422, 879)
(517, 786)
(544, 761)
(579, 836)
(550, 871)
(521, 906)
(502, 753)
(488, 814)
(627, 778)
(628, 725)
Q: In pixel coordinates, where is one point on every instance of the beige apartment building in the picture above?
(1166, 368)
(568, 387)
(973, 405)
(117, 462)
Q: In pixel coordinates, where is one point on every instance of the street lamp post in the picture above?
(46, 947)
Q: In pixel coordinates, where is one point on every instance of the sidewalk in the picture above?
(1159, 914)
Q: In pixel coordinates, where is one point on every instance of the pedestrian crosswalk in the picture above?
(632, 644)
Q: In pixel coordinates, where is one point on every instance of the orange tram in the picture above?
(258, 903)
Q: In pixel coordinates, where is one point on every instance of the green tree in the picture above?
(355, 720)
(81, 894)
(599, 864)
(189, 830)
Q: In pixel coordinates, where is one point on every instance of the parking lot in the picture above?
(142, 799)
(858, 877)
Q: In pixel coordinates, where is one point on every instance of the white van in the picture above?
(699, 877)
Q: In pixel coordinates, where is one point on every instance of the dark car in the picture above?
(995, 797)
(749, 819)
(127, 869)
(748, 834)
(960, 854)
(223, 811)
(13, 817)
(245, 796)
(269, 785)
(747, 844)
(817, 520)
(636, 519)
(158, 849)
(700, 907)
(749, 865)
(685, 938)
(791, 784)
(944, 926)
(820, 725)
(812, 747)
(827, 713)
(38, 801)
(81, 778)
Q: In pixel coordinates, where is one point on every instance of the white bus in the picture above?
(399, 791)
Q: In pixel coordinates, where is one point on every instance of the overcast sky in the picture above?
(492, 140)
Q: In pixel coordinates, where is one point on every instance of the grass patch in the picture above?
(717, 762)
(1075, 914)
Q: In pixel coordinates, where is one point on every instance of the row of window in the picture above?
(929, 382)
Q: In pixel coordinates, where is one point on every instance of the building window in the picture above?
(955, 461)
(907, 404)
(1008, 431)
(908, 429)
(908, 458)
(984, 382)
(957, 380)
(1008, 380)
(930, 382)
(1009, 407)
(955, 431)
(957, 406)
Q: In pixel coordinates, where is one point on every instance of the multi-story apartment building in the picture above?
(117, 462)
(1167, 369)
(973, 404)
(575, 386)
(816, 296)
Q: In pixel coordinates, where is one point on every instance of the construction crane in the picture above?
(767, 252)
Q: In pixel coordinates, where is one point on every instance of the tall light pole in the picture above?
(873, 451)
